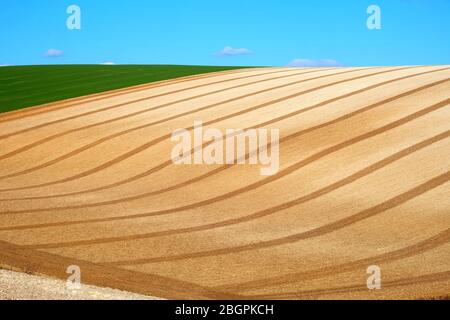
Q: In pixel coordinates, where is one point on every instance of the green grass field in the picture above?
(26, 86)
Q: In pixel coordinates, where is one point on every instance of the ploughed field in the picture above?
(363, 181)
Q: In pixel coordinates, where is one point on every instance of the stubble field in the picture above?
(363, 180)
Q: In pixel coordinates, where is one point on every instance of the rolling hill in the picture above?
(363, 181)
(26, 86)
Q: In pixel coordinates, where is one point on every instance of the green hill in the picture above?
(26, 86)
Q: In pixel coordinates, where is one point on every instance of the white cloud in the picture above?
(4, 65)
(230, 51)
(108, 63)
(309, 63)
(53, 53)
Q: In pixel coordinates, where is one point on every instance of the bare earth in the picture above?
(20, 286)
(364, 180)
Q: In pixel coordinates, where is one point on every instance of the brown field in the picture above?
(364, 180)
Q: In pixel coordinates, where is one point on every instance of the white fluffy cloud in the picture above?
(51, 53)
(230, 51)
(108, 63)
(309, 63)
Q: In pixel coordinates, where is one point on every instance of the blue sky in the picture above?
(264, 32)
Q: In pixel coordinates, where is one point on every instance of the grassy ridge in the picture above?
(26, 86)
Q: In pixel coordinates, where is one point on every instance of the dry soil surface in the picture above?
(363, 181)
(21, 286)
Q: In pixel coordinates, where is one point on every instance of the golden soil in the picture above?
(364, 180)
